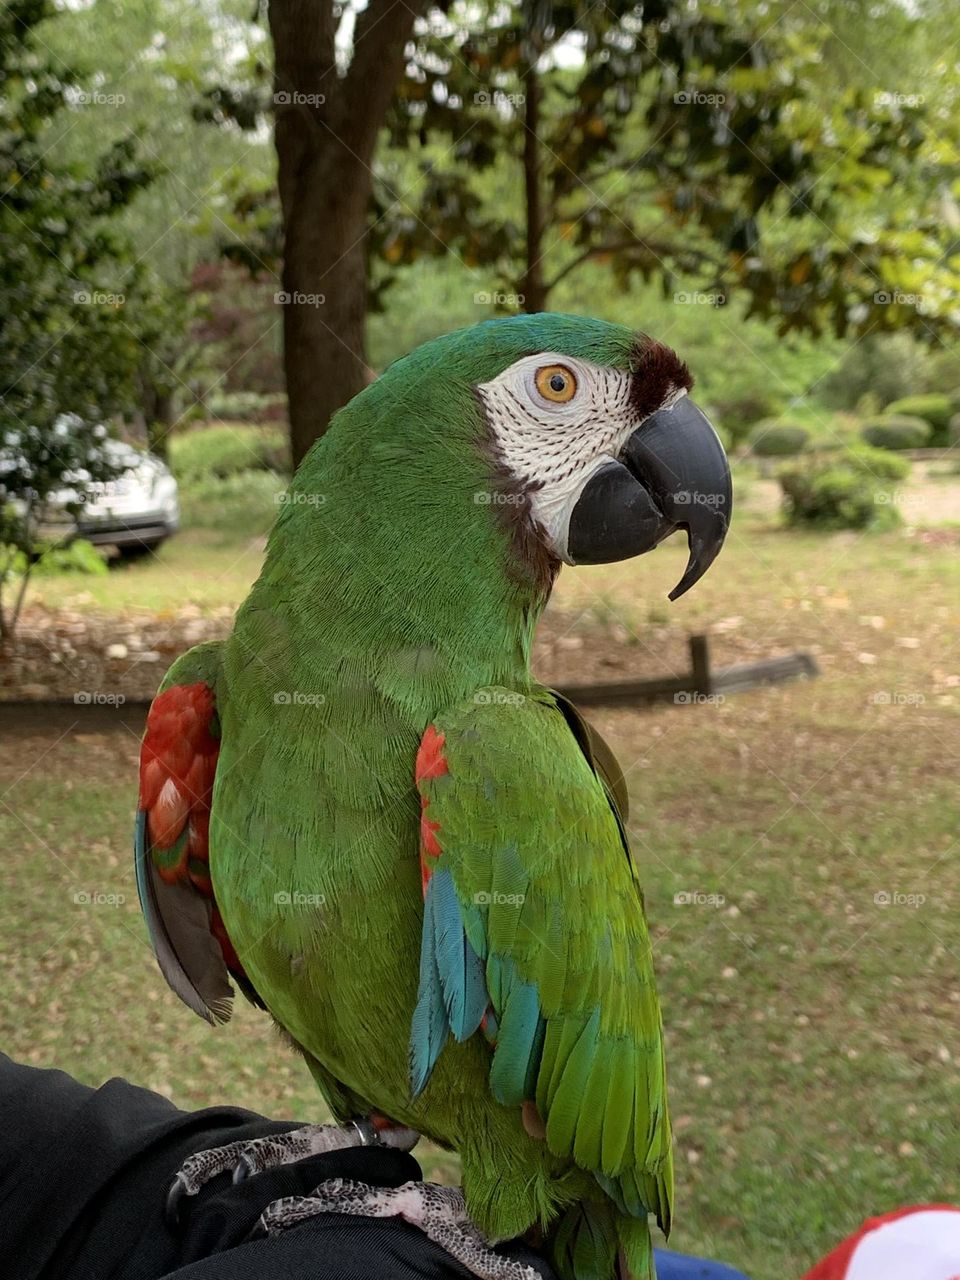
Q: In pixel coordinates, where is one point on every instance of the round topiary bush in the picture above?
(774, 439)
(842, 489)
(897, 431)
(953, 430)
(934, 408)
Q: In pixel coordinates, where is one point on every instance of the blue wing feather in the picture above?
(452, 996)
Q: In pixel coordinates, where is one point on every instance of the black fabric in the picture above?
(84, 1175)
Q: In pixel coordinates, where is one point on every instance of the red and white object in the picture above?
(921, 1243)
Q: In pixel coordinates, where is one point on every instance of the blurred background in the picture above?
(220, 220)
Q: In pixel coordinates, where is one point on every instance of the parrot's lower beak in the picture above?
(671, 474)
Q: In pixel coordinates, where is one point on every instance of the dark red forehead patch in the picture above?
(657, 370)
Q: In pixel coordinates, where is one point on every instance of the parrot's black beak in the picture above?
(671, 474)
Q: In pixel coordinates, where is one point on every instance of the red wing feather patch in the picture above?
(178, 762)
(431, 763)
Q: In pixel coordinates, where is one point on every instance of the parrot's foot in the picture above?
(439, 1212)
(255, 1155)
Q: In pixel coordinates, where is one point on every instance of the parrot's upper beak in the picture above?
(671, 474)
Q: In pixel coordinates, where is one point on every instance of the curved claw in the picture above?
(243, 1169)
(173, 1210)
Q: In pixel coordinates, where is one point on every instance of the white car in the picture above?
(137, 510)
(134, 512)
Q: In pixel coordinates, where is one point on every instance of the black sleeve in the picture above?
(84, 1175)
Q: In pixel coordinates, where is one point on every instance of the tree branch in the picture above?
(659, 249)
(380, 39)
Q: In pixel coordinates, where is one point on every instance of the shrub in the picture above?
(953, 430)
(842, 489)
(897, 431)
(245, 502)
(878, 463)
(78, 556)
(885, 365)
(773, 439)
(738, 410)
(226, 450)
(934, 408)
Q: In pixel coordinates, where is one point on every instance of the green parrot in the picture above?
(363, 810)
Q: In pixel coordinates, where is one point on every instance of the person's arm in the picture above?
(84, 1175)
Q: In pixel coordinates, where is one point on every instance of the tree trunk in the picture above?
(325, 134)
(534, 285)
(325, 293)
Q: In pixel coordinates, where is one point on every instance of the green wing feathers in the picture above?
(551, 914)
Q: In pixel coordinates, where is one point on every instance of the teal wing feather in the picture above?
(534, 930)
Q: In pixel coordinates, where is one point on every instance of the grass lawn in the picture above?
(811, 989)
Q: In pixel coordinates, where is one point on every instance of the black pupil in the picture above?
(558, 382)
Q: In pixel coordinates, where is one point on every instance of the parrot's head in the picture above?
(575, 437)
(598, 449)
(445, 496)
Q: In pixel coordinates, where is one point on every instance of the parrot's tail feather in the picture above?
(594, 1241)
(583, 1245)
(635, 1255)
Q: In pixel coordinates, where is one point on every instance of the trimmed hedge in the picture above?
(773, 439)
(842, 489)
(897, 431)
(933, 407)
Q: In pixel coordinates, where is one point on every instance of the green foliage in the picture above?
(896, 431)
(773, 438)
(739, 409)
(226, 450)
(842, 489)
(67, 358)
(883, 367)
(933, 408)
(244, 503)
(953, 430)
(78, 556)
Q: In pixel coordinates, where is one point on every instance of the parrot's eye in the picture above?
(556, 383)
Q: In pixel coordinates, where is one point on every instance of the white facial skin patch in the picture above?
(555, 420)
